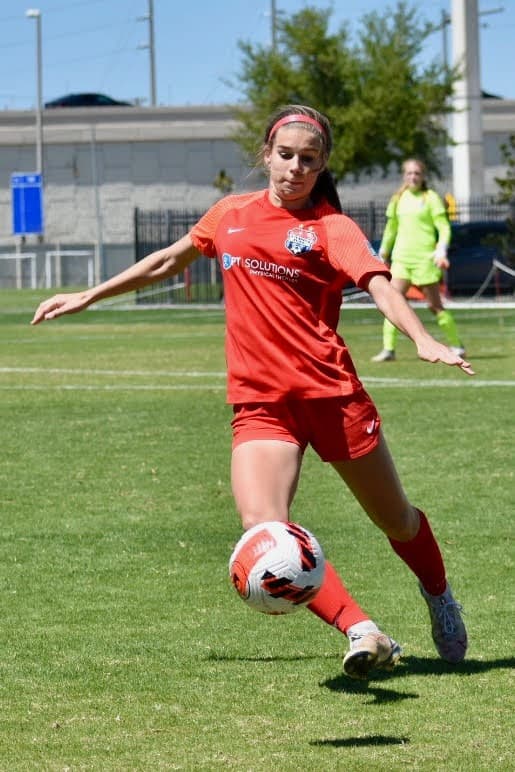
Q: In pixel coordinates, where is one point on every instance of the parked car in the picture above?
(474, 246)
(86, 100)
(471, 253)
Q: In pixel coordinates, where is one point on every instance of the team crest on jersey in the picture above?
(300, 240)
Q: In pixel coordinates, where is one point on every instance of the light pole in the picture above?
(35, 13)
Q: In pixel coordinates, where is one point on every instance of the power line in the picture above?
(61, 36)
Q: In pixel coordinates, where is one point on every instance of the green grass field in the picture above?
(124, 646)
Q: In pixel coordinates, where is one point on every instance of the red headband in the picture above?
(297, 118)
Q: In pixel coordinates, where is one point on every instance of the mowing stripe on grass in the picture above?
(117, 387)
(144, 373)
(402, 383)
(466, 382)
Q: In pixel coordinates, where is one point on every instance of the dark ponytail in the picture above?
(326, 189)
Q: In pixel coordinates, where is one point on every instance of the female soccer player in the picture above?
(416, 217)
(285, 254)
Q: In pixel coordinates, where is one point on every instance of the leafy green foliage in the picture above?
(383, 105)
(507, 184)
(507, 195)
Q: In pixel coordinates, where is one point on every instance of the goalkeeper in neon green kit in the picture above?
(415, 241)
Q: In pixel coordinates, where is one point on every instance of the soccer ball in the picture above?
(277, 567)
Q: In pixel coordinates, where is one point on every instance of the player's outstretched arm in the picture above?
(155, 267)
(395, 307)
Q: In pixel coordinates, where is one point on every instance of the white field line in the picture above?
(466, 382)
(366, 304)
(121, 373)
(117, 387)
(461, 382)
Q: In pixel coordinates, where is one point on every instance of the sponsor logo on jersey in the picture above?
(271, 270)
(300, 240)
(228, 261)
(258, 267)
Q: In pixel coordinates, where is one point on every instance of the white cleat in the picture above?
(448, 629)
(384, 356)
(369, 651)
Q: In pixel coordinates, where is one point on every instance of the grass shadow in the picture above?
(360, 742)
(410, 666)
(437, 666)
(486, 357)
(375, 695)
(213, 657)
(407, 666)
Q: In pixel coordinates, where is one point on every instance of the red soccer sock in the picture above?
(334, 604)
(422, 554)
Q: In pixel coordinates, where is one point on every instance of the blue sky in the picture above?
(93, 45)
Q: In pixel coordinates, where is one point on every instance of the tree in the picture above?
(507, 196)
(507, 184)
(383, 105)
(224, 182)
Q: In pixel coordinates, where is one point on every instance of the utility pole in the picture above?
(445, 20)
(466, 119)
(273, 24)
(149, 17)
(468, 164)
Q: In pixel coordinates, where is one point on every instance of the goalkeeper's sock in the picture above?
(390, 333)
(448, 326)
(334, 604)
(422, 554)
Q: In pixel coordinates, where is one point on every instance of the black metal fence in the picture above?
(371, 215)
(201, 283)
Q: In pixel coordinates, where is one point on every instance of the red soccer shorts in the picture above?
(337, 428)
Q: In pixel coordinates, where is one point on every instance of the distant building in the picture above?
(102, 163)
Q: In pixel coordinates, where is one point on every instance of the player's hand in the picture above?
(440, 257)
(430, 350)
(58, 305)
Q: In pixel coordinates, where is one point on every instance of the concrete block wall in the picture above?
(100, 164)
(149, 176)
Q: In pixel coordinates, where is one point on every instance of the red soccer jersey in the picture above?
(283, 274)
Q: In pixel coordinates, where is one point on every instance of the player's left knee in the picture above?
(406, 526)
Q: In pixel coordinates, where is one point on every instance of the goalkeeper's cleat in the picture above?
(369, 651)
(384, 356)
(449, 633)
